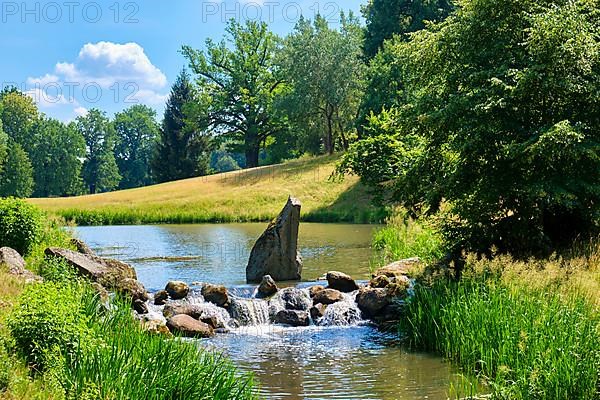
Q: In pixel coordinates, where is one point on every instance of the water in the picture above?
(340, 356)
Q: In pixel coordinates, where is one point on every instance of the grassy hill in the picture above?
(256, 194)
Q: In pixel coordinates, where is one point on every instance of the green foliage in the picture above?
(386, 18)
(406, 238)
(57, 270)
(18, 114)
(21, 225)
(497, 118)
(133, 364)
(182, 149)
(237, 86)
(56, 158)
(324, 70)
(5, 367)
(137, 136)
(100, 171)
(17, 178)
(527, 344)
(50, 318)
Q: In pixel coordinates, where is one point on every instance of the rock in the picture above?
(105, 271)
(177, 290)
(267, 287)
(161, 297)
(13, 260)
(191, 310)
(398, 268)
(140, 306)
(398, 289)
(82, 247)
(189, 327)
(340, 281)
(213, 322)
(292, 318)
(380, 281)
(295, 299)
(315, 289)
(216, 295)
(16, 265)
(275, 253)
(131, 289)
(372, 301)
(328, 296)
(317, 311)
(156, 327)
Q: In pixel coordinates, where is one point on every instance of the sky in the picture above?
(71, 56)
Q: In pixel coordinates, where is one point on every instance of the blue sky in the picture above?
(71, 55)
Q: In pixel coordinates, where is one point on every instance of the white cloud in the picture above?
(80, 111)
(113, 67)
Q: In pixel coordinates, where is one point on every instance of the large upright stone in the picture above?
(276, 251)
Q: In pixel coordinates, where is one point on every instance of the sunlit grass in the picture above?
(241, 196)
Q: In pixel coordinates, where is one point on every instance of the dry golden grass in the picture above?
(250, 195)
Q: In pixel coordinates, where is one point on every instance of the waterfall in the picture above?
(342, 313)
(250, 312)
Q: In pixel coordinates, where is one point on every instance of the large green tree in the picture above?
(499, 121)
(17, 176)
(56, 158)
(100, 171)
(237, 86)
(183, 147)
(137, 136)
(324, 70)
(18, 114)
(386, 18)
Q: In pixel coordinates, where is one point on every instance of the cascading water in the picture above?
(250, 312)
(342, 313)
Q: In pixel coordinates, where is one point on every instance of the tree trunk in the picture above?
(252, 147)
(329, 145)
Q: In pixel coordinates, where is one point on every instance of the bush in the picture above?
(21, 224)
(51, 317)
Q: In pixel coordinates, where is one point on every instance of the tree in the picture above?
(324, 69)
(498, 120)
(386, 18)
(137, 137)
(237, 85)
(19, 113)
(56, 158)
(100, 171)
(183, 148)
(17, 177)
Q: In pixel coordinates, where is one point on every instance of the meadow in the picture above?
(252, 195)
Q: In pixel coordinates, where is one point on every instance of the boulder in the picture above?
(215, 294)
(140, 306)
(380, 281)
(292, 318)
(192, 310)
(398, 289)
(105, 271)
(295, 299)
(13, 261)
(317, 311)
(267, 287)
(161, 297)
(371, 301)
(328, 296)
(315, 289)
(398, 268)
(177, 290)
(275, 253)
(131, 289)
(340, 281)
(155, 326)
(16, 264)
(213, 322)
(82, 247)
(189, 327)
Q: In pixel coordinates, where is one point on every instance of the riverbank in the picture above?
(527, 329)
(252, 195)
(58, 340)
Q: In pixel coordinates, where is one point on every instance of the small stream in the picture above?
(339, 356)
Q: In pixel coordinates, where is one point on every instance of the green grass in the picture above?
(528, 329)
(253, 195)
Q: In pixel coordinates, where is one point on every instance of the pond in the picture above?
(317, 362)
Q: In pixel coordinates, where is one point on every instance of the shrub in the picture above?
(50, 317)
(21, 224)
